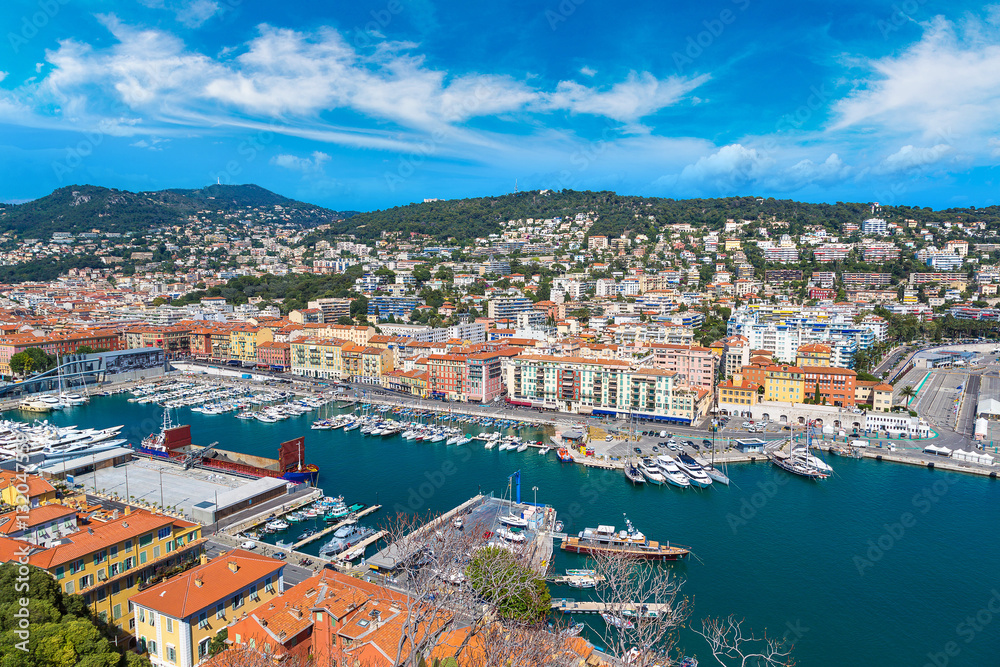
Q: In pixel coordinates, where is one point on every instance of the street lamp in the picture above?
(535, 489)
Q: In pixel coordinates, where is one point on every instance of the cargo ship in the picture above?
(174, 443)
(605, 539)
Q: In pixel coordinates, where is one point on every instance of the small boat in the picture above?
(617, 621)
(564, 455)
(277, 525)
(457, 522)
(651, 472)
(558, 526)
(512, 520)
(511, 535)
(523, 447)
(544, 450)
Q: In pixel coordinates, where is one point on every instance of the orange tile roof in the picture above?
(97, 536)
(16, 521)
(36, 485)
(180, 596)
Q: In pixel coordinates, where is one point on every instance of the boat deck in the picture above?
(329, 529)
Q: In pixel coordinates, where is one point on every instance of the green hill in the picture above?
(84, 208)
(466, 219)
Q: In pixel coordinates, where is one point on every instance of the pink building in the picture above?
(694, 365)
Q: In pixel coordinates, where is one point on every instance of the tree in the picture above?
(732, 645)
(498, 576)
(628, 586)
(907, 392)
(32, 360)
(359, 307)
(421, 273)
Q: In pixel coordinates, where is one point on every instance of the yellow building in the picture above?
(106, 561)
(365, 364)
(737, 395)
(317, 357)
(244, 339)
(813, 354)
(784, 383)
(176, 620)
(882, 398)
(732, 244)
(25, 489)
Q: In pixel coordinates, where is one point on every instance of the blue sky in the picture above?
(372, 104)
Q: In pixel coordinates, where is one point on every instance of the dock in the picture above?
(363, 544)
(329, 529)
(571, 606)
(388, 557)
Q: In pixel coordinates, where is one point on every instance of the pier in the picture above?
(571, 606)
(329, 529)
(362, 545)
(387, 558)
(570, 579)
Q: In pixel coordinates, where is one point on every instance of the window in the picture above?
(60, 572)
(142, 557)
(151, 647)
(100, 557)
(142, 615)
(169, 623)
(163, 533)
(156, 551)
(203, 620)
(220, 610)
(203, 648)
(114, 551)
(253, 592)
(116, 612)
(171, 654)
(237, 601)
(152, 618)
(128, 545)
(268, 586)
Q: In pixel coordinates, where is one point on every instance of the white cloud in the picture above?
(195, 13)
(638, 96)
(588, 71)
(947, 81)
(313, 164)
(806, 172)
(3, 75)
(909, 157)
(727, 170)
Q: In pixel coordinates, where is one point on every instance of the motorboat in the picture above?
(276, 525)
(511, 535)
(651, 472)
(673, 474)
(695, 472)
(617, 621)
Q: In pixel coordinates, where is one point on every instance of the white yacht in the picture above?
(812, 459)
(651, 471)
(673, 474)
(695, 472)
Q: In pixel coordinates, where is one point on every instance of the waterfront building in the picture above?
(813, 354)
(317, 357)
(104, 561)
(175, 621)
(784, 383)
(603, 387)
(275, 355)
(243, 342)
(693, 364)
(365, 364)
(834, 385)
(737, 396)
(174, 340)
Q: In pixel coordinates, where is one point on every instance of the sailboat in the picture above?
(797, 459)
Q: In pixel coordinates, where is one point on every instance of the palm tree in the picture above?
(908, 392)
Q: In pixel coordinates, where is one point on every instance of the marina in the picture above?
(763, 509)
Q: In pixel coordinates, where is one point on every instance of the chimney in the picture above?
(233, 566)
(199, 582)
(203, 559)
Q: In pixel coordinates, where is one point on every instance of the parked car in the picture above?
(655, 448)
(689, 443)
(637, 450)
(673, 446)
(707, 443)
(249, 545)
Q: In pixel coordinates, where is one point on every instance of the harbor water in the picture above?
(881, 564)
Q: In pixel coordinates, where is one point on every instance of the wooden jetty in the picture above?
(571, 579)
(571, 606)
(329, 529)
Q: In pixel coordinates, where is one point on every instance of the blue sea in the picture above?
(881, 564)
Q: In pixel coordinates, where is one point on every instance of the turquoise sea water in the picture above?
(881, 564)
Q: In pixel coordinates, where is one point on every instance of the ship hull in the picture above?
(646, 555)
